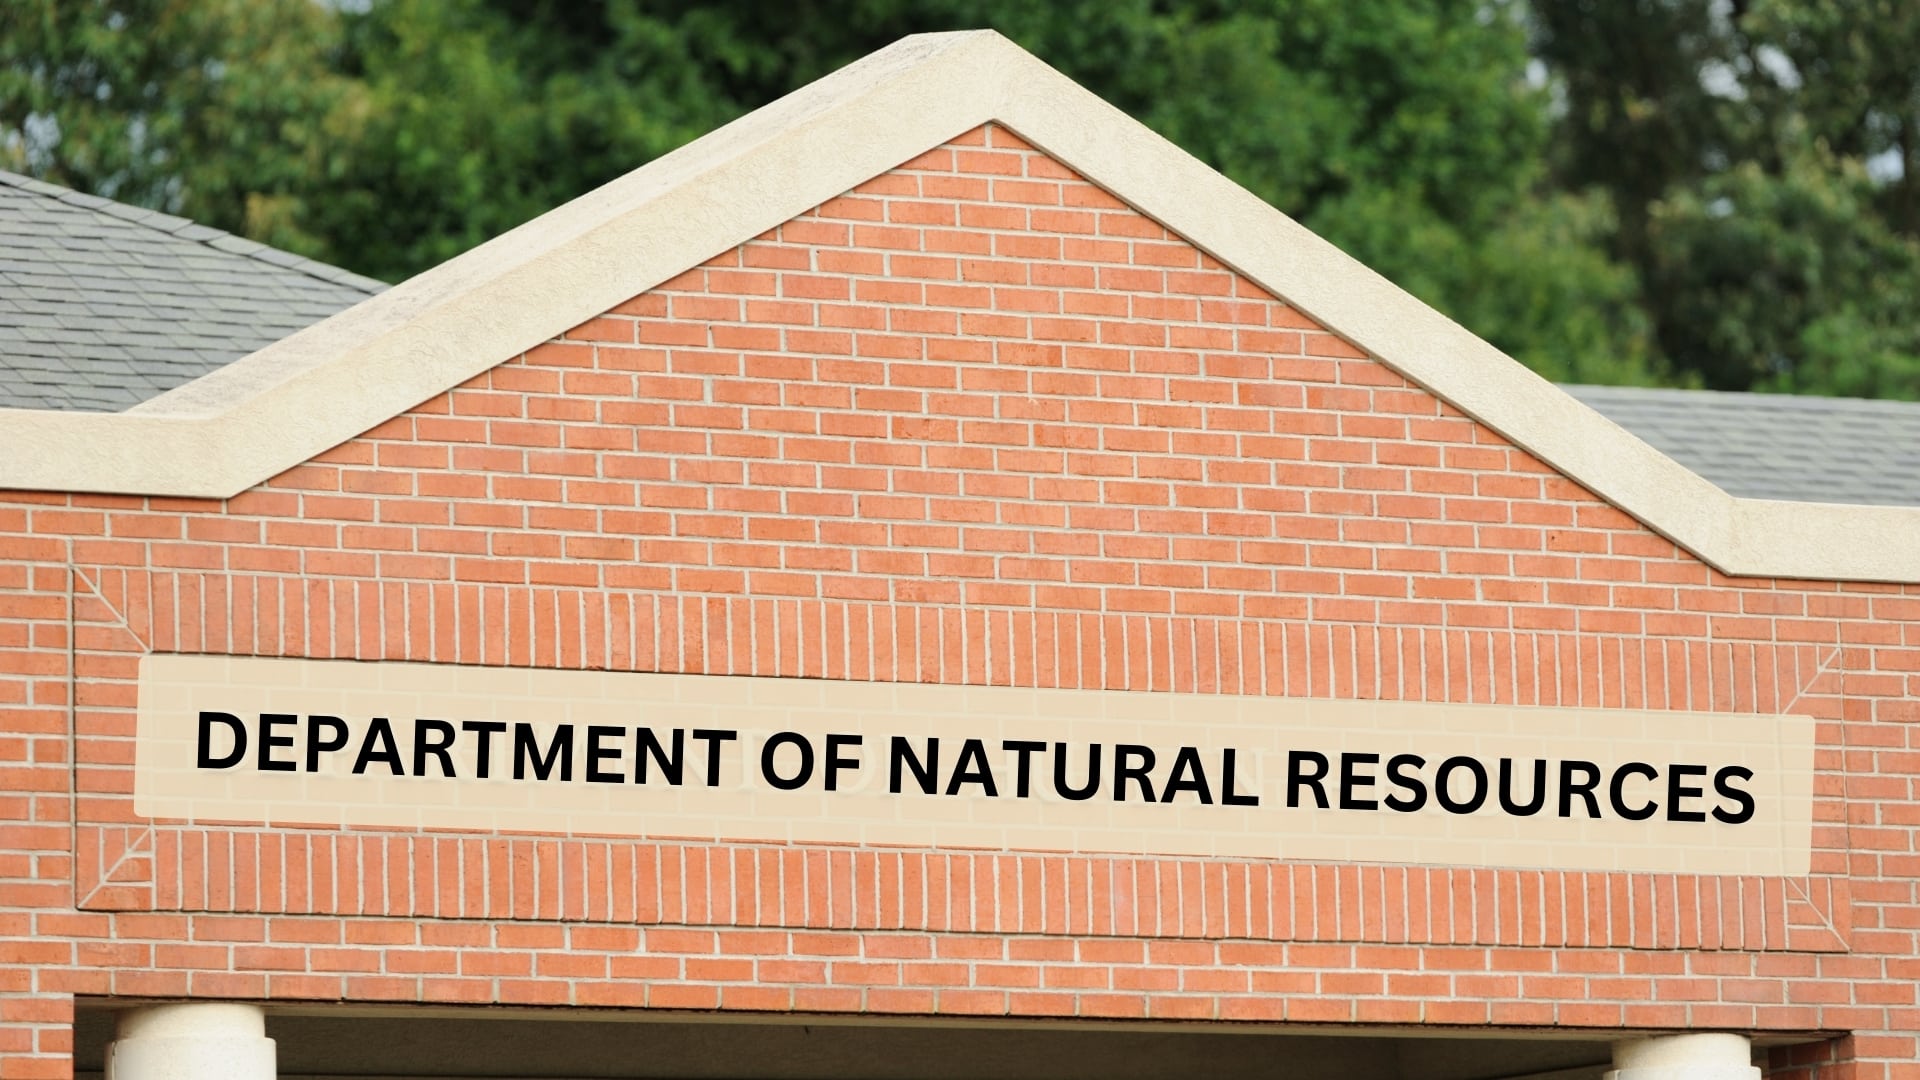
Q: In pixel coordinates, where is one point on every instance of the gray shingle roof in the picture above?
(1775, 446)
(103, 305)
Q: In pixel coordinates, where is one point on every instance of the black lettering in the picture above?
(1023, 751)
(1443, 789)
(901, 753)
(269, 741)
(1060, 785)
(1351, 780)
(1617, 791)
(1678, 789)
(597, 753)
(422, 746)
(1188, 775)
(526, 750)
(1227, 795)
(1507, 801)
(483, 751)
(1298, 777)
(378, 745)
(1123, 772)
(232, 723)
(1583, 788)
(972, 769)
(1723, 786)
(713, 739)
(1400, 778)
(646, 746)
(317, 746)
(835, 763)
(772, 746)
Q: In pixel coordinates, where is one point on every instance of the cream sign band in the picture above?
(342, 743)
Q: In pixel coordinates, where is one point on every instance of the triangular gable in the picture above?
(295, 399)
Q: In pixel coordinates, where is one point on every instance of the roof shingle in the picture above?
(1777, 446)
(104, 305)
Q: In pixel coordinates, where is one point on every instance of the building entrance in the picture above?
(440, 1044)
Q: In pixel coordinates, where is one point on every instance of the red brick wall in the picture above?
(976, 422)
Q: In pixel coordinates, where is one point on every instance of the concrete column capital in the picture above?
(1706, 1056)
(193, 1041)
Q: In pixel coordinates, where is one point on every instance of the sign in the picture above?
(344, 743)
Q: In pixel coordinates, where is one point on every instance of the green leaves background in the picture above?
(1673, 191)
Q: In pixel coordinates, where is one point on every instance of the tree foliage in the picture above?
(1787, 280)
(1611, 190)
(1764, 160)
(213, 109)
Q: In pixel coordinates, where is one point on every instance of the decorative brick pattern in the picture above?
(1694, 912)
(973, 422)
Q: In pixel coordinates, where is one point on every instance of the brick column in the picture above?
(1684, 1057)
(202, 1041)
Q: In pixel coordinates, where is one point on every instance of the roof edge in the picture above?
(238, 426)
(443, 326)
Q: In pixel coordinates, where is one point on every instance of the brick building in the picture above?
(928, 580)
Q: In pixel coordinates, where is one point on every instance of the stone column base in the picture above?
(197, 1041)
(1684, 1057)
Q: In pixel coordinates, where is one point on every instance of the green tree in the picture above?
(1787, 280)
(1851, 78)
(207, 108)
(1763, 157)
(1636, 118)
(466, 119)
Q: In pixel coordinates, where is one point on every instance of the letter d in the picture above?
(207, 760)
